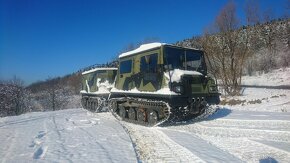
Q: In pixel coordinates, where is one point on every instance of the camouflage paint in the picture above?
(151, 82)
(89, 80)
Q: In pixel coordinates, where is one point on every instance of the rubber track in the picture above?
(171, 119)
(101, 102)
(142, 102)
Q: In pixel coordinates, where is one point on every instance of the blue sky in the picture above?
(49, 38)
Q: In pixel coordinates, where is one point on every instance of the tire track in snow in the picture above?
(277, 125)
(249, 140)
(84, 125)
(29, 118)
(81, 128)
(62, 152)
(152, 145)
(248, 150)
(200, 147)
(278, 145)
(24, 120)
(9, 148)
(272, 135)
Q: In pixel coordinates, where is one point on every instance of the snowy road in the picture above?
(77, 136)
(227, 136)
(64, 136)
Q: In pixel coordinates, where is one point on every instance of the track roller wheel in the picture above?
(122, 112)
(153, 117)
(141, 115)
(204, 106)
(132, 114)
(83, 102)
(96, 105)
(89, 104)
(113, 106)
(93, 106)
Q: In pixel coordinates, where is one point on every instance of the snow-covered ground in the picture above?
(263, 99)
(74, 135)
(260, 99)
(226, 136)
(274, 78)
(253, 127)
(64, 136)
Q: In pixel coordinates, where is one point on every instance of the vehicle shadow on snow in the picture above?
(268, 160)
(220, 113)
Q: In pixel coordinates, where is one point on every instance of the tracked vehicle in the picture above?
(161, 83)
(96, 86)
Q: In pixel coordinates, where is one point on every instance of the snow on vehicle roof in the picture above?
(98, 69)
(149, 46)
(142, 48)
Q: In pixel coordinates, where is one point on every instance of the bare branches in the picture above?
(227, 49)
(252, 12)
(227, 19)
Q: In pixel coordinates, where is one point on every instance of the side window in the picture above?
(125, 66)
(149, 63)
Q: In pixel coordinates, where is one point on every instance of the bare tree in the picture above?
(252, 12)
(268, 15)
(253, 18)
(269, 37)
(287, 9)
(56, 94)
(279, 45)
(226, 48)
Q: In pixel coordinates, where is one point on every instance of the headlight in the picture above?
(178, 89)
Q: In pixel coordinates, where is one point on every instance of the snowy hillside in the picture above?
(274, 78)
(253, 127)
(263, 99)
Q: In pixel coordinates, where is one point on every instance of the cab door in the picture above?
(125, 74)
(150, 72)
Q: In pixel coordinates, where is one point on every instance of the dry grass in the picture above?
(232, 102)
(255, 101)
(239, 102)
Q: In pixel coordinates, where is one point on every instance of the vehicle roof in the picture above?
(99, 69)
(142, 48)
(146, 47)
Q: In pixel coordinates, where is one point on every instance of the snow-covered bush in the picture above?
(53, 98)
(14, 99)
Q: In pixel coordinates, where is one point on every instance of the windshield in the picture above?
(184, 59)
(106, 75)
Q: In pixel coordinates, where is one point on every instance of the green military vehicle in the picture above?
(96, 86)
(158, 83)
